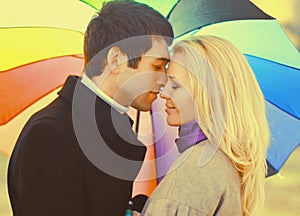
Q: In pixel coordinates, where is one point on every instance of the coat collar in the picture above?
(75, 91)
(93, 118)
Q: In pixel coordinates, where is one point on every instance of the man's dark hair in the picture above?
(119, 20)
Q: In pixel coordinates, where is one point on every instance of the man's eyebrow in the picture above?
(163, 59)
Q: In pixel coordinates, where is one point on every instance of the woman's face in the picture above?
(179, 102)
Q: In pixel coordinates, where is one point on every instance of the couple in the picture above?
(79, 155)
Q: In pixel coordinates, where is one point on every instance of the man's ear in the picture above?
(113, 58)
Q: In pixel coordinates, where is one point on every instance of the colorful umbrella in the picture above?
(41, 43)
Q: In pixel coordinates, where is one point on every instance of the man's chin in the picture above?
(144, 103)
(142, 108)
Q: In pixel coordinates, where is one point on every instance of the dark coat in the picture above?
(54, 170)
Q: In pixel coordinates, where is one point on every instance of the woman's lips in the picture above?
(170, 109)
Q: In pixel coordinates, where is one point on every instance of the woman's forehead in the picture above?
(177, 68)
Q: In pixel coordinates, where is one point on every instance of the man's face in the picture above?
(139, 87)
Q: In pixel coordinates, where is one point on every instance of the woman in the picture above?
(212, 94)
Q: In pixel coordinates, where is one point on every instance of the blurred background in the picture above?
(282, 190)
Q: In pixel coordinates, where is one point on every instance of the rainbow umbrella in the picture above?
(41, 44)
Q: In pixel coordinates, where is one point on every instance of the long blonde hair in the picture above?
(231, 110)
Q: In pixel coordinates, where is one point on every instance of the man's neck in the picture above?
(94, 85)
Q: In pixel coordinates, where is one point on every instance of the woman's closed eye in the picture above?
(174, 85)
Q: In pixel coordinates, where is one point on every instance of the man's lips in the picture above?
(154, 92)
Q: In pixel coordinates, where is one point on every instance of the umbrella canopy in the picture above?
(40, 47)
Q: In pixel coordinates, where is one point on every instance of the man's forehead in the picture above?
(159, 50)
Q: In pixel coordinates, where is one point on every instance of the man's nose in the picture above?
(162, 79)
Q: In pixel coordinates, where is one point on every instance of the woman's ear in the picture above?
(113, 58)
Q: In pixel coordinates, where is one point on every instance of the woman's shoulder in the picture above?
(201, 159)
(199, 176)
(210, 157)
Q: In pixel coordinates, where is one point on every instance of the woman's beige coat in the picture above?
(191, 188)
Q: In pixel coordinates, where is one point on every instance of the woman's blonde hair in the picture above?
(230, 110)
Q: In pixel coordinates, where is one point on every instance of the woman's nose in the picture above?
(166, 90)
(164, 94)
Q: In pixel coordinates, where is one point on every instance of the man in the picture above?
(79, 155)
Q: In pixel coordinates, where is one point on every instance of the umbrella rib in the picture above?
(169, 14)
(290, 114)
(90, 4)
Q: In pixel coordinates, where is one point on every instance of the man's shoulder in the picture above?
(56, 113)
(45, 130)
